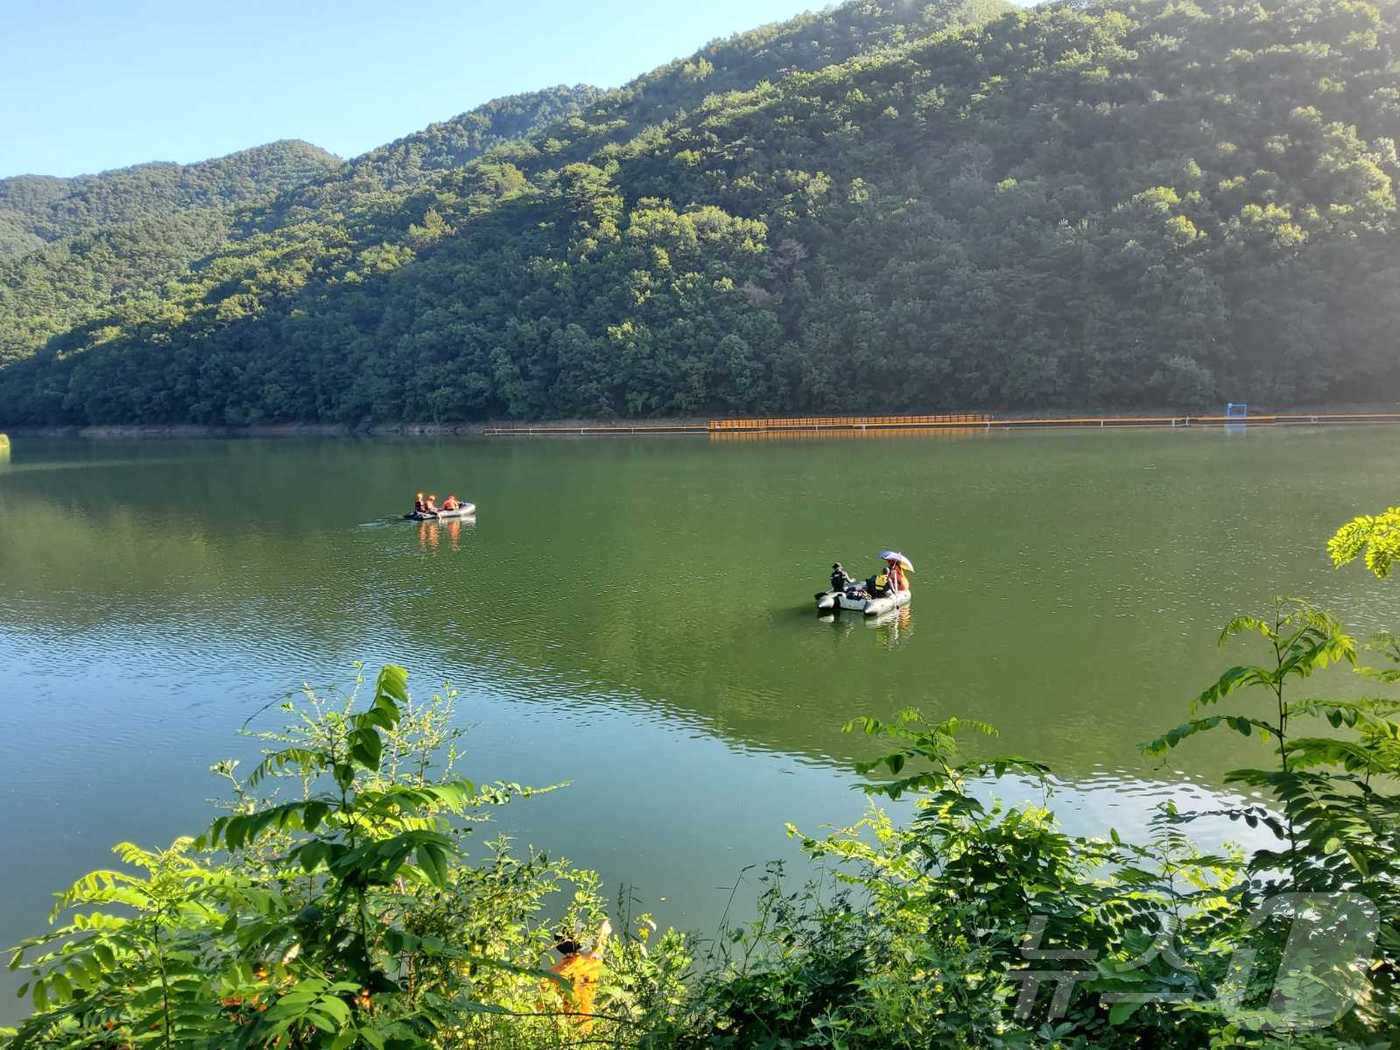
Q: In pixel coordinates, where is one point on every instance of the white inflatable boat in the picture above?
(464, 510)
(833, 601)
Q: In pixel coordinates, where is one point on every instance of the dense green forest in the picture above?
(877, 207)
(71, 249)
(79, 248)
(43, 209)
(465, 137)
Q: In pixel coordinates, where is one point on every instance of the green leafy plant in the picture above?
(932, 934)
(1378, 536)
(347, 916)
(1331, 801)
(131, 958)
(943, 930)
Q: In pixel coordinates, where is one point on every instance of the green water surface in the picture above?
(635, 617)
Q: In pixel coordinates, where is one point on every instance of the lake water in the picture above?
(634, 616)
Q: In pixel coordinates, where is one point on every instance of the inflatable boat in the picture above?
(465, 510)
(835, 601)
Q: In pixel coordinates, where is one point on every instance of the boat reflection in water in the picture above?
(430, 532)
(892, 627)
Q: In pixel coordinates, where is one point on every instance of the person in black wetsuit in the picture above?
(840, 579)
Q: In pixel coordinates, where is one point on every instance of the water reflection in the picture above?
(892, 626)
(633, 568)
(432, 533)
(635, 617)
(947, 433)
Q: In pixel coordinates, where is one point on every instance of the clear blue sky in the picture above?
(87, 85)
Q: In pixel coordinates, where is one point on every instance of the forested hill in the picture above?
(86, 247)
(72, 249)
(1144, 202)
(452, 143)
(115, 271)
(561, 124)
(111, 264)
(809, 42)
(35, 209)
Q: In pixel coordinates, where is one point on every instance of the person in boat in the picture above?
(840, 578)
(879, 585)
(431, 506)
(450, 503)
(897, 580)
(420, 507)
(843, 583)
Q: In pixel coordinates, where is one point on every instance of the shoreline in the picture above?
(174, 431)
(588, 427)
(178, 431)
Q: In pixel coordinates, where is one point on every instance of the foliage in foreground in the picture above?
(957, 929)
(345, 911)
(346, 915)
(1375, 535)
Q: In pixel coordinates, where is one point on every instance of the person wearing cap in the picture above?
(840, 578)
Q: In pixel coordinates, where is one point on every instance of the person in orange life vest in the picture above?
(581, 969)
(450, 503)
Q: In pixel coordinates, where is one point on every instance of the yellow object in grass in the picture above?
(581, 970)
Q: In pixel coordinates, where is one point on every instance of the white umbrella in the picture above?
(896, 556)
